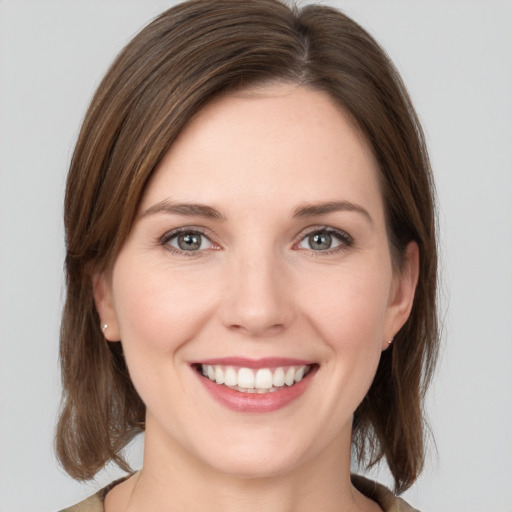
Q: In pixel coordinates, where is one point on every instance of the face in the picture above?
(255, 292)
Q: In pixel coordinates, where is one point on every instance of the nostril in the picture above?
(258, 330)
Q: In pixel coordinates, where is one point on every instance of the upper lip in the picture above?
(243, 362)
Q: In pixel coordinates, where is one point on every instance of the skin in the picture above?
(256, 288)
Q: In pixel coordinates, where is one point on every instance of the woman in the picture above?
(251, 267)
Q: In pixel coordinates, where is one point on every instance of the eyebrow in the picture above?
(208, 212)
(317, 209)
(185, 209)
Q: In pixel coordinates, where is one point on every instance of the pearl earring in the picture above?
(104, 327)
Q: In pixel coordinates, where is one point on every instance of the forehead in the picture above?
(278, 144)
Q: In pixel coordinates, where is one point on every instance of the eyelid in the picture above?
(173, 233)
(346, 239)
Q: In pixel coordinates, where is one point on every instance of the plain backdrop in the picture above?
(455, 57)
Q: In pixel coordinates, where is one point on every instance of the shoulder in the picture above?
(95, 502)
(92, 504)
(381, 495)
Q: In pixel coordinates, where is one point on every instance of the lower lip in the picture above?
(256, 402)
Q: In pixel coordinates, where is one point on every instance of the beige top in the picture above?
(387, 501)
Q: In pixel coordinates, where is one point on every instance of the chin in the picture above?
(255, 465)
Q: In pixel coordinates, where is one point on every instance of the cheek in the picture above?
(350, 308)
(349, 316)
(159, 310)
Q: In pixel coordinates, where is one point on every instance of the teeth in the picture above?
(230, 377)
(299, 374)
(263, 380)
(245, 378)
(278, 379)
(289, 378)
(219, 375)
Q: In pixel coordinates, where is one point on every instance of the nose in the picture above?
(257, 296)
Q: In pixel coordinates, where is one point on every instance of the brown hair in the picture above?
(182, 60)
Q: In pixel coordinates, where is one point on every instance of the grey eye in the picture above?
(320, 241)
(189, 241)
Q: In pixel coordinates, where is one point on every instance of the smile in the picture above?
(255, 386)
(248, 380)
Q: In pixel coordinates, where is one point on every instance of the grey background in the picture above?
(455, 57)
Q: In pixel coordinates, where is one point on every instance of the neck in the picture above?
(173, 479)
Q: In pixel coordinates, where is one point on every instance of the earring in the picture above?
(104, 327)
(390, 341)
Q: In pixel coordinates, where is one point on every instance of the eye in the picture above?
(325, 240)
(187, 241)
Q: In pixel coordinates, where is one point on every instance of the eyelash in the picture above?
(167, 237)
(344, 238)
(346, 241)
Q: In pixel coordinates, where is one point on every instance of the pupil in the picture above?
(189, 242)
(320, 241)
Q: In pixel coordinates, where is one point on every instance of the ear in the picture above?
(401, 296)
(102, 291)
